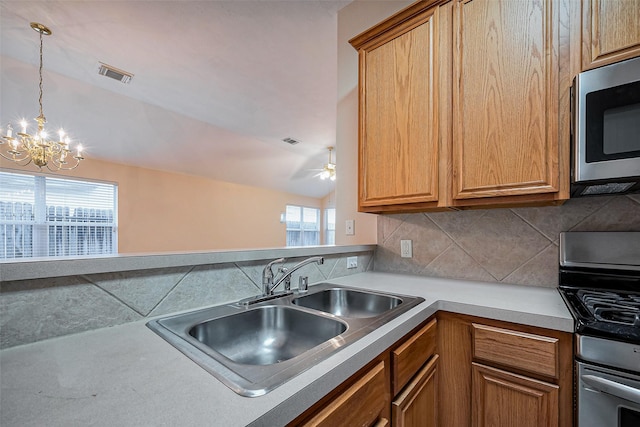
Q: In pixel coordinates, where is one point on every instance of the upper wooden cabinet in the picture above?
(464, 103)
(610, 31)
(398, 151)
(505, 100)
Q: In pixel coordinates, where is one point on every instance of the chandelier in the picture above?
(329, 169)
(38, 147)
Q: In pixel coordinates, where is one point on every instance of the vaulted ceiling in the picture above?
(217, 84)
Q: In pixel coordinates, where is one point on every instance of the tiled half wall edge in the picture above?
(517, 245)
(34, 310)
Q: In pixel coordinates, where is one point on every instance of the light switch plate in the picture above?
(406, 249)
(352, 262)
(350, 227)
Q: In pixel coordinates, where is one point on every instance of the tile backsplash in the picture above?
(33, 310)
(517, 245)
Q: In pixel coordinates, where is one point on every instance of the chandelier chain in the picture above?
(40, 73)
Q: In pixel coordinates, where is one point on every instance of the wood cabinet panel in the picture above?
(417, 405)
(505, 98)
(398, 149)
(503, 399)
(407, 359)
(454, 349)
(533, 353)
(611, 31)
(362, 404)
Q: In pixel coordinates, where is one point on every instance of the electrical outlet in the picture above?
(352, 262)
(350, 227)
(406, 249)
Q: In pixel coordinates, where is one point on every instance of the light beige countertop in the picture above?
(129, 376)
(38, 268)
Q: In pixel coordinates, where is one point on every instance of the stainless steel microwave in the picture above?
(606, 130)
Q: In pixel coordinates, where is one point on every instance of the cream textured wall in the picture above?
(170, 212)
(353, 19)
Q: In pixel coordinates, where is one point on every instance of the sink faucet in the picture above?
(269, 281)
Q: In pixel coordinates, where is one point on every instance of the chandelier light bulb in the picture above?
(23, 123)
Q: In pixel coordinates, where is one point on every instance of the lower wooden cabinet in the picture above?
(502, 374)
(417, 404)
(407, 371)
(459, 371)
(504, 399)
(365, 403)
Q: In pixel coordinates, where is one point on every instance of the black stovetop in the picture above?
(604, 304)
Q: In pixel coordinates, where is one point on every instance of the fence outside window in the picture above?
(303, 226)
(42, 216)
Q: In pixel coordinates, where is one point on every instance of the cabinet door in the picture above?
(398, 144)
(505, 104)
(417, 405)
(611, 31)
(365, 403)
(503, 399)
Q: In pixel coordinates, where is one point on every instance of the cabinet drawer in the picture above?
(411, 355)
(361, 404)
(533, 353)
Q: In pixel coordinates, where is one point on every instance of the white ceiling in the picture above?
(217, 84)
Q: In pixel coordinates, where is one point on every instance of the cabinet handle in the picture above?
(612, 388)
(382, 422)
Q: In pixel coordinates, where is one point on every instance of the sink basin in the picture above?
(349, 302)
(266, 335)
(255, 346)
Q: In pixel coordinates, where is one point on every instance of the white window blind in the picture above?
(303, 226)
(43, 216)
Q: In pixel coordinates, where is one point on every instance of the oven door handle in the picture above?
(613, 388)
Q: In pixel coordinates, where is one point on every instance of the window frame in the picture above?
(301, 229)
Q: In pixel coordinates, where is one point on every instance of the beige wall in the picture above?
(352, 20)
(169, 212)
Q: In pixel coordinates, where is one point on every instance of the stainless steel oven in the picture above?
(607, 396)
(600, 282)
(606, 129)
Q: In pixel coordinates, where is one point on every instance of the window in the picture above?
(330, 226)
(303, 226)
(58, 217)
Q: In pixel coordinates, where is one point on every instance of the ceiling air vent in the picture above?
(114, 73)
(291, 141)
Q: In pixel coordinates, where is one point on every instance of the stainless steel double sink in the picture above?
(253, 348)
